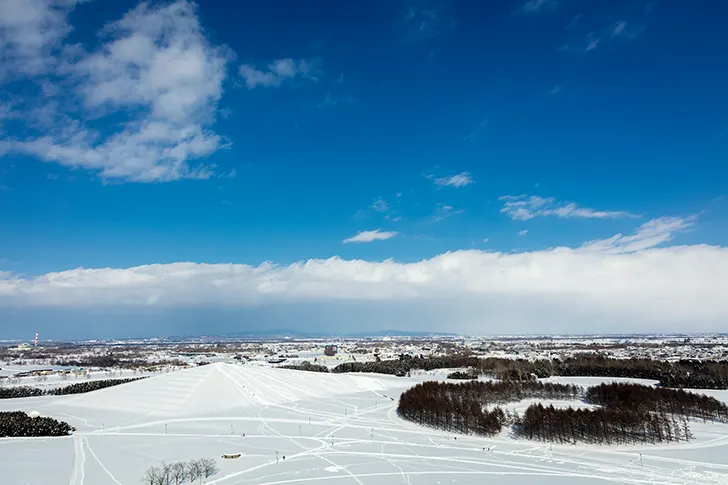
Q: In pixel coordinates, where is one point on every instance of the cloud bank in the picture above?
(624, 283)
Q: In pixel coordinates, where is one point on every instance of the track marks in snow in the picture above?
(79, 459)
(85, 440)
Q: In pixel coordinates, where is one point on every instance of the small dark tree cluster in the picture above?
(307, 366)
(602, 425)
(18, 423)
(460, 407)
(180, 472)
(80, 388)
(463, 375)
(658, 399)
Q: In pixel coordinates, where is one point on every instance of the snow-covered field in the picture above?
(331, 428)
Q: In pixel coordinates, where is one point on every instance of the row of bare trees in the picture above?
(180, 472)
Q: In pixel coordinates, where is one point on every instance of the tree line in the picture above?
(112, 360)
(627, 413)
(19, 424)
(683, 373)
(307, 366)
(606, 425)
(660, 400)
(79, 388)
(405, 363)
(461, 407)
(180, 472)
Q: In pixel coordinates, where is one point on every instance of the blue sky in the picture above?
(140, 134)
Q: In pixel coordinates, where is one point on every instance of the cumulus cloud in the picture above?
(459, 180)
(620, 279)
(154, 65)
(523, 208)
(370, 236)
(277, 72)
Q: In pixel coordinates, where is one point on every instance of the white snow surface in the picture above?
(331, 428)
(219, 388)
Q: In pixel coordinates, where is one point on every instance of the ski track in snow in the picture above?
(353, 436)
(79, 460)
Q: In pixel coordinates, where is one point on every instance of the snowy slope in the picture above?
(331, 428)
(214, 388)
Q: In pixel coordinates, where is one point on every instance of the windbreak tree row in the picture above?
(80, 388)
(307, 366)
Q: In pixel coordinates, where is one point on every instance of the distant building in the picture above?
(330, 350)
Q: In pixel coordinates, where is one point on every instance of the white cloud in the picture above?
(154, 66)
(624, 30)
(523, 208)
(278, 71)
(443, 211)
(459, 180)
(523, 232)
(650, 234)
(30, 33)
(380, 205)
(556, 90)
(621, 31)
(538, 6)
(370, 236)
(623, 283)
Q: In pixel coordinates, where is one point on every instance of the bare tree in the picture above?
(208, 467)
(193, 470)
(164, 476)
(178, 472)
(150, 476)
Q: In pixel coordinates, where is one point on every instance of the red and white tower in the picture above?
(35, 342)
